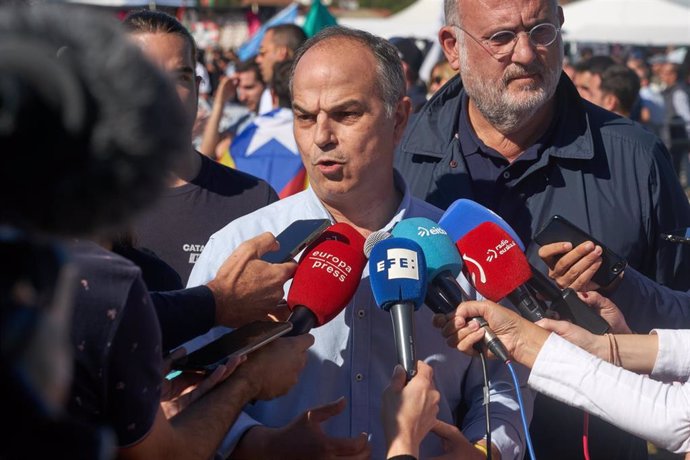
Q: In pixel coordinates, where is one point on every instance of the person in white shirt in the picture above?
(596, 373)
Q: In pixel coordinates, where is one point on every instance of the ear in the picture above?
(610, 102)
(449, 44)
(283, 53)
(561, 17)
(402, 114)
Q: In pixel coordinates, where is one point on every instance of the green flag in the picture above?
(317, 18)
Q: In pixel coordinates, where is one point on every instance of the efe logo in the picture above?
(399, 263)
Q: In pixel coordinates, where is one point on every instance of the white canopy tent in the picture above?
(638, 22)
(135, 3)
(422, 19)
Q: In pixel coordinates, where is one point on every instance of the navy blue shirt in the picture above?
(492, 175)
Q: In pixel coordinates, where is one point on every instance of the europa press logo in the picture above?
(423, 231)
(333, 265)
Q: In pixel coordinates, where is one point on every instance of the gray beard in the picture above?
(494, 102)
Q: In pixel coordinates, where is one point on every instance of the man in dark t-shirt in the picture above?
(181, 222)
(203, 196)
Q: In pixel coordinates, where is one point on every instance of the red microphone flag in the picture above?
(493, 261)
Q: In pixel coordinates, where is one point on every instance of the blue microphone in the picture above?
(443, 265)
(397, 272)
(464, 215)
(443, 262)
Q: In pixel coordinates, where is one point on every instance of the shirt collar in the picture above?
(317, 207)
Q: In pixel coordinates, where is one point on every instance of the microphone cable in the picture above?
(525, 426)
(486, 401)
(585, 435)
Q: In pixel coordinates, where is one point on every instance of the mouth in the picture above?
(329, 167)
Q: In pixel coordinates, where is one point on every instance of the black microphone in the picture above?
(567, 303)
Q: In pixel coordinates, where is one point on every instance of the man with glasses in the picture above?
(515, 136)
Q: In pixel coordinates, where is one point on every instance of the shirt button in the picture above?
(453, 164)
(361, 313)
(359, 377)
(506, 175)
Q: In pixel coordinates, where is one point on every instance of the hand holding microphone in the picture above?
(521, 338)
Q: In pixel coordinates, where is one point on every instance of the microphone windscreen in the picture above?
(439, 251)
(327, 277)
(397, 271)
(493, 261)
(464, 215)
(373, 239)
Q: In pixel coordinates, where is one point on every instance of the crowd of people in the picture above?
(134, 242)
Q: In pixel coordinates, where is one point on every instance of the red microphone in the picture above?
(498, 268)
(327, 277)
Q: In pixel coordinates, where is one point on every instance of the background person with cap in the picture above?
(412, 59)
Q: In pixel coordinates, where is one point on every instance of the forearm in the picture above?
(529, 341)
(200, 428)
(637, 352)
(184, 314)
(647, 304)
(211, 136)
(253, 444)
(637, 404)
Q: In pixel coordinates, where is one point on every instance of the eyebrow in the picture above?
(296, 107)
(350, 103)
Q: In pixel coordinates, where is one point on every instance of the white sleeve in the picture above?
(673, 358)
(207, 264)
(656, 411)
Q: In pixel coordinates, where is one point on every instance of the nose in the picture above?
(323, 132)
(524, 52)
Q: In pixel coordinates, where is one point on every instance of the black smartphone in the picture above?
(238, 342)
(680, 235)
(558, 228)
(296, 237)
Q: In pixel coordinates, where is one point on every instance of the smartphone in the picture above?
(560, 229)
(680, 235)
(296, 237)
(238, 342)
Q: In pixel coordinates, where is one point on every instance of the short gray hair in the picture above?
(451, 7)
(390, 81)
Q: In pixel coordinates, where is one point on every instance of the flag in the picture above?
(266, 148)
(317, 18)
(250, 48)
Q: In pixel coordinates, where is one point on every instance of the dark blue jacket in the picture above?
(602, 172)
